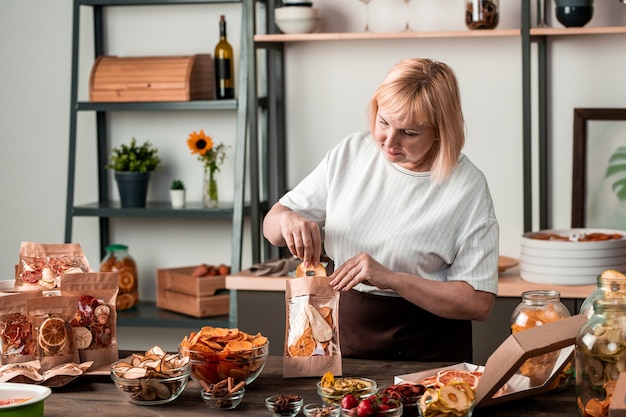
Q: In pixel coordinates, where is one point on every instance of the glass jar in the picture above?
(539, 307)
(482, 14)
(600, 353)
(117, 259)
(609, 285)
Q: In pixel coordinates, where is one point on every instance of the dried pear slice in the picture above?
(322, 331)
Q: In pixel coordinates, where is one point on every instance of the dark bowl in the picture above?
(574, 16)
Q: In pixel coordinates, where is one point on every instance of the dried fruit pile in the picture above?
(452, 399)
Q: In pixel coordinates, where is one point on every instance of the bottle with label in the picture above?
(223, 58)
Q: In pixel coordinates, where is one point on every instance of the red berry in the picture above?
(349, 401)
(365, 408)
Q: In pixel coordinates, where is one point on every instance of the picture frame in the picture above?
(595, 204)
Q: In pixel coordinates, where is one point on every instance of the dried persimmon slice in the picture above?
(238, 345)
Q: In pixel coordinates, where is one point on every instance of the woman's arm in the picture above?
(284, 227)
(452, 300)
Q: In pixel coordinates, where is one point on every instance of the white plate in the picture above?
(600, 263)
(546, 252)
(559, 244)
(9, 390)
(556, 279)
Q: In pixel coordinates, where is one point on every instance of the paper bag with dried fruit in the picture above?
(95, 317)
(312, 332)
(41, 265)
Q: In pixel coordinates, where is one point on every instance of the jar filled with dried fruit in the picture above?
(610, 284)
(117, 259)
(482, 14)
(600, 354)
(539, 307)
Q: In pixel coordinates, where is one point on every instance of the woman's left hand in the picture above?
(360, 268)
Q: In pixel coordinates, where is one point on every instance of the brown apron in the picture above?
(392, 328)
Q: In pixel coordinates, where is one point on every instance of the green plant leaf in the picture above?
(617, 168)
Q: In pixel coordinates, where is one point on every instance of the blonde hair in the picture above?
(426, 92)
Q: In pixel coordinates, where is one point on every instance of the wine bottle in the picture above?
(223, 58)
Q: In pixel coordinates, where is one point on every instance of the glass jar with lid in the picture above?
(117, 259)
(610, 284)
(539, 307)
(482, 14)
(600, 353)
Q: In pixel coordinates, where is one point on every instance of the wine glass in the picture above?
(367, 14)
(407, 27)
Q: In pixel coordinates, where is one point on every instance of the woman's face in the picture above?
(407, 146)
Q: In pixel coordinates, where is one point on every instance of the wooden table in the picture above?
(97, 396)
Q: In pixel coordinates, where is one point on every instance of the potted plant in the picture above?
(133, 164)
(177, 194)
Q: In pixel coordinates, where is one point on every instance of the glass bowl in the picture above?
(408, 393)
(284, 405)
(321, 410)
(360, 387)
(152, 388)
(223, 401)
(393, 407)
(242, 365)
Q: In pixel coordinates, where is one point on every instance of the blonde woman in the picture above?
(407, 219)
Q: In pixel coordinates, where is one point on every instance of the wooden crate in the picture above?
(178, 291)
(159, 78)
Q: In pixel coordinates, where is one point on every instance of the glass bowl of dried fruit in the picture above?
(377, 405)
(223, 398)
(321, 410)
(456, 398)
(216, 354)
(284, 405)
(152, 378)
(408, 393)
(332, 391)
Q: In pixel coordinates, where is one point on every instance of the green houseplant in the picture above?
(177, 194)
(133, 165)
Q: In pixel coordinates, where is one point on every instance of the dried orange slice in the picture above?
(53, 331)
(447, 376)
(304, 346)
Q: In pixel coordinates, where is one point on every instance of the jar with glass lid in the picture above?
(117, 259)
(610, 284)
(600, 354)
(482, 14)
(539, 307)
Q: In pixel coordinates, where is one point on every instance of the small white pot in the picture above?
(178, 198)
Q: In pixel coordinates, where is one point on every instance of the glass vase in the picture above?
(210, 196)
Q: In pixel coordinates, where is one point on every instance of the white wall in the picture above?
(328, 84)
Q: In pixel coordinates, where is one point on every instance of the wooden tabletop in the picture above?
(97, 396)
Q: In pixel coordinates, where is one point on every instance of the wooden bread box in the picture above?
(157, 78)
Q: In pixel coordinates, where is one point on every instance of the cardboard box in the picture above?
(158, 78)
(200, 297)
(617, 408)
(503, 365)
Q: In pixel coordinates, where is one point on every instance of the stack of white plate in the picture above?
(569, 258)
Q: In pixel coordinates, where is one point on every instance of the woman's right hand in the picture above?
(284, 227)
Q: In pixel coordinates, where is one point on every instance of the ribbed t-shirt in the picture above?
(404, 220)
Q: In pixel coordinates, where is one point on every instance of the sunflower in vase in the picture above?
(212, 156)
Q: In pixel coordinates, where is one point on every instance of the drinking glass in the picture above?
(367, 14)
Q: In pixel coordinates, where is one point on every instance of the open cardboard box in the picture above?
(503, 364)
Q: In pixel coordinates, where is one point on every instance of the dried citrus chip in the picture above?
(53, 331)
(259, 341)
(304, 346)
(447, 376)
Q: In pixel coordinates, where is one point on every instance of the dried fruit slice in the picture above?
(82, 337)
(318, 271)
(322, 331)
(328, 380)
(53, 331)
(446, 376)
(304, 346)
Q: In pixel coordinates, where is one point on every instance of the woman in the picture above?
(407, 218)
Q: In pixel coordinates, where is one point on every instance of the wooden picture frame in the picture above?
(580, 174)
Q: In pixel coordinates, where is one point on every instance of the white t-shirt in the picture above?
(408, 223)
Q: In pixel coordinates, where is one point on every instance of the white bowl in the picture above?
(295, 12)
(298, 25)
(33, 407)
